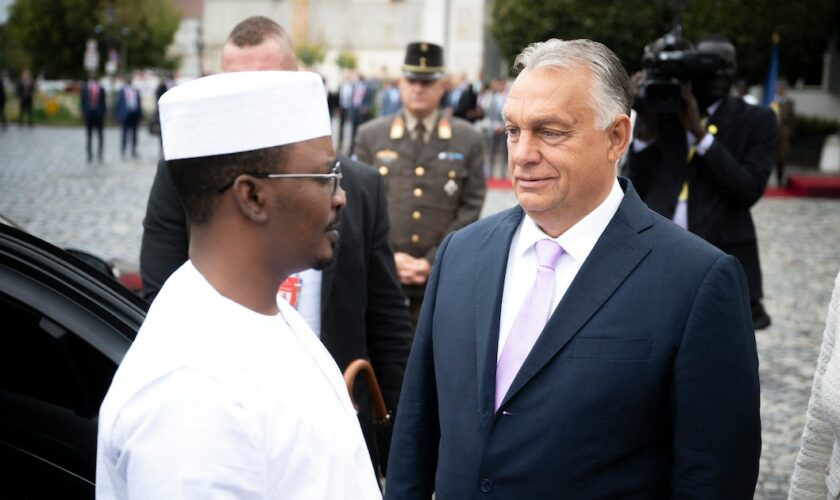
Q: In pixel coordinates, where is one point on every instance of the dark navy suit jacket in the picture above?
(644, 383)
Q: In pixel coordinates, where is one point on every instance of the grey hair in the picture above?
(610, 94)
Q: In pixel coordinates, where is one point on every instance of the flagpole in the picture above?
(772, 72)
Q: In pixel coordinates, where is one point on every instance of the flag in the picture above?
(772, 72)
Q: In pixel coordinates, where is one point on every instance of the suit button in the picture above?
(419, 171)
(418, 192)
(416, 215)
(486, 485)
(383, 170)
(828, 469)
(415, 238)
(452, 174)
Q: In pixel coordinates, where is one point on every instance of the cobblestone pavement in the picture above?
(47, 187)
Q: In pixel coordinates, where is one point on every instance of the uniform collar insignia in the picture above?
(444, 129)
(397, 128)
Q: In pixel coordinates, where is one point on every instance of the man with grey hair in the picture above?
(578, 345)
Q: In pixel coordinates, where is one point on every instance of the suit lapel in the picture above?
(617, 253)
(723, 118)
(491, 261)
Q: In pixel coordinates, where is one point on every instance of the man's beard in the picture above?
(322, 264)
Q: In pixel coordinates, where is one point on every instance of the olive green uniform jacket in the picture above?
(431, 192)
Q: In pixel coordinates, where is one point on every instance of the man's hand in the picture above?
(412, 271)
(690, 113)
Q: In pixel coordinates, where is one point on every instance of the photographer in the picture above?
(700, 156)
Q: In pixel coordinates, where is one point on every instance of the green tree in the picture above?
(53, 33)
(623, 26)
(310, 53)
(12, 57)
(346, 60)
(805, 27)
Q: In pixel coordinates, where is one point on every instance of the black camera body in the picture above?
(669, 61)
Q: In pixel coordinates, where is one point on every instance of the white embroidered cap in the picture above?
(242, 111)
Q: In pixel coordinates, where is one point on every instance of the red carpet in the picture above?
(498, 183)
(822, 186)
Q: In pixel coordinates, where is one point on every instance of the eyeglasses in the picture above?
(333, 177)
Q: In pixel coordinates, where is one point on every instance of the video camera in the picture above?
(669, 61)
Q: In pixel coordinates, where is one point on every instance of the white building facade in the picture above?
(375, 31)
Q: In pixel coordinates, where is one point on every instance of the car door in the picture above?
(64, 328)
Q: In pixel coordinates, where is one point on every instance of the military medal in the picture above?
(397, 128)
(444, 129)
(386, 155)
(451, 187)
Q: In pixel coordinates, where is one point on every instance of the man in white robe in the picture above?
(226, 392)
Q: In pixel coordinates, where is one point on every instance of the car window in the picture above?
(42, 360)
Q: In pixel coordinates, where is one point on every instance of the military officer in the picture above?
(431, 165)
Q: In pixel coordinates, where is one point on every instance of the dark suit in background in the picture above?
(2, 101)
(465, 102)
(723, 183)
(363, 311)
(93, 109)
(724, 172)
(129, 112)
(25, 91)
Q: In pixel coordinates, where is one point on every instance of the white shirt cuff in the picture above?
(705, 144)
(640, 145)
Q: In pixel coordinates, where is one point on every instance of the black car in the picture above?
(66, 325)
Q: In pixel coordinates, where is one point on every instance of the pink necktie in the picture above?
(530, 320)
(94, 95)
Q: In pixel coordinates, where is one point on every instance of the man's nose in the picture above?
(525, 151)
(339, 199)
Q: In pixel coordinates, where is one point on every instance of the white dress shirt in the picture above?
(309, 301)
(577, 242)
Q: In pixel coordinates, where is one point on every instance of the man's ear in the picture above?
(250, 196)
(619, 137)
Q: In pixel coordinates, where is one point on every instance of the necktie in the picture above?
(359, 94)
(530, 320)
(683, 196)
(94, 96)
(130, 99)
(419, 137)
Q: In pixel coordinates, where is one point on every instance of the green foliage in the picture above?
(60, 108)
(815, 126)
(12, 56)
(151, 30)
(805, 27)
(310, 53)
(624, 26)
(346, 60)
(53, 33)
